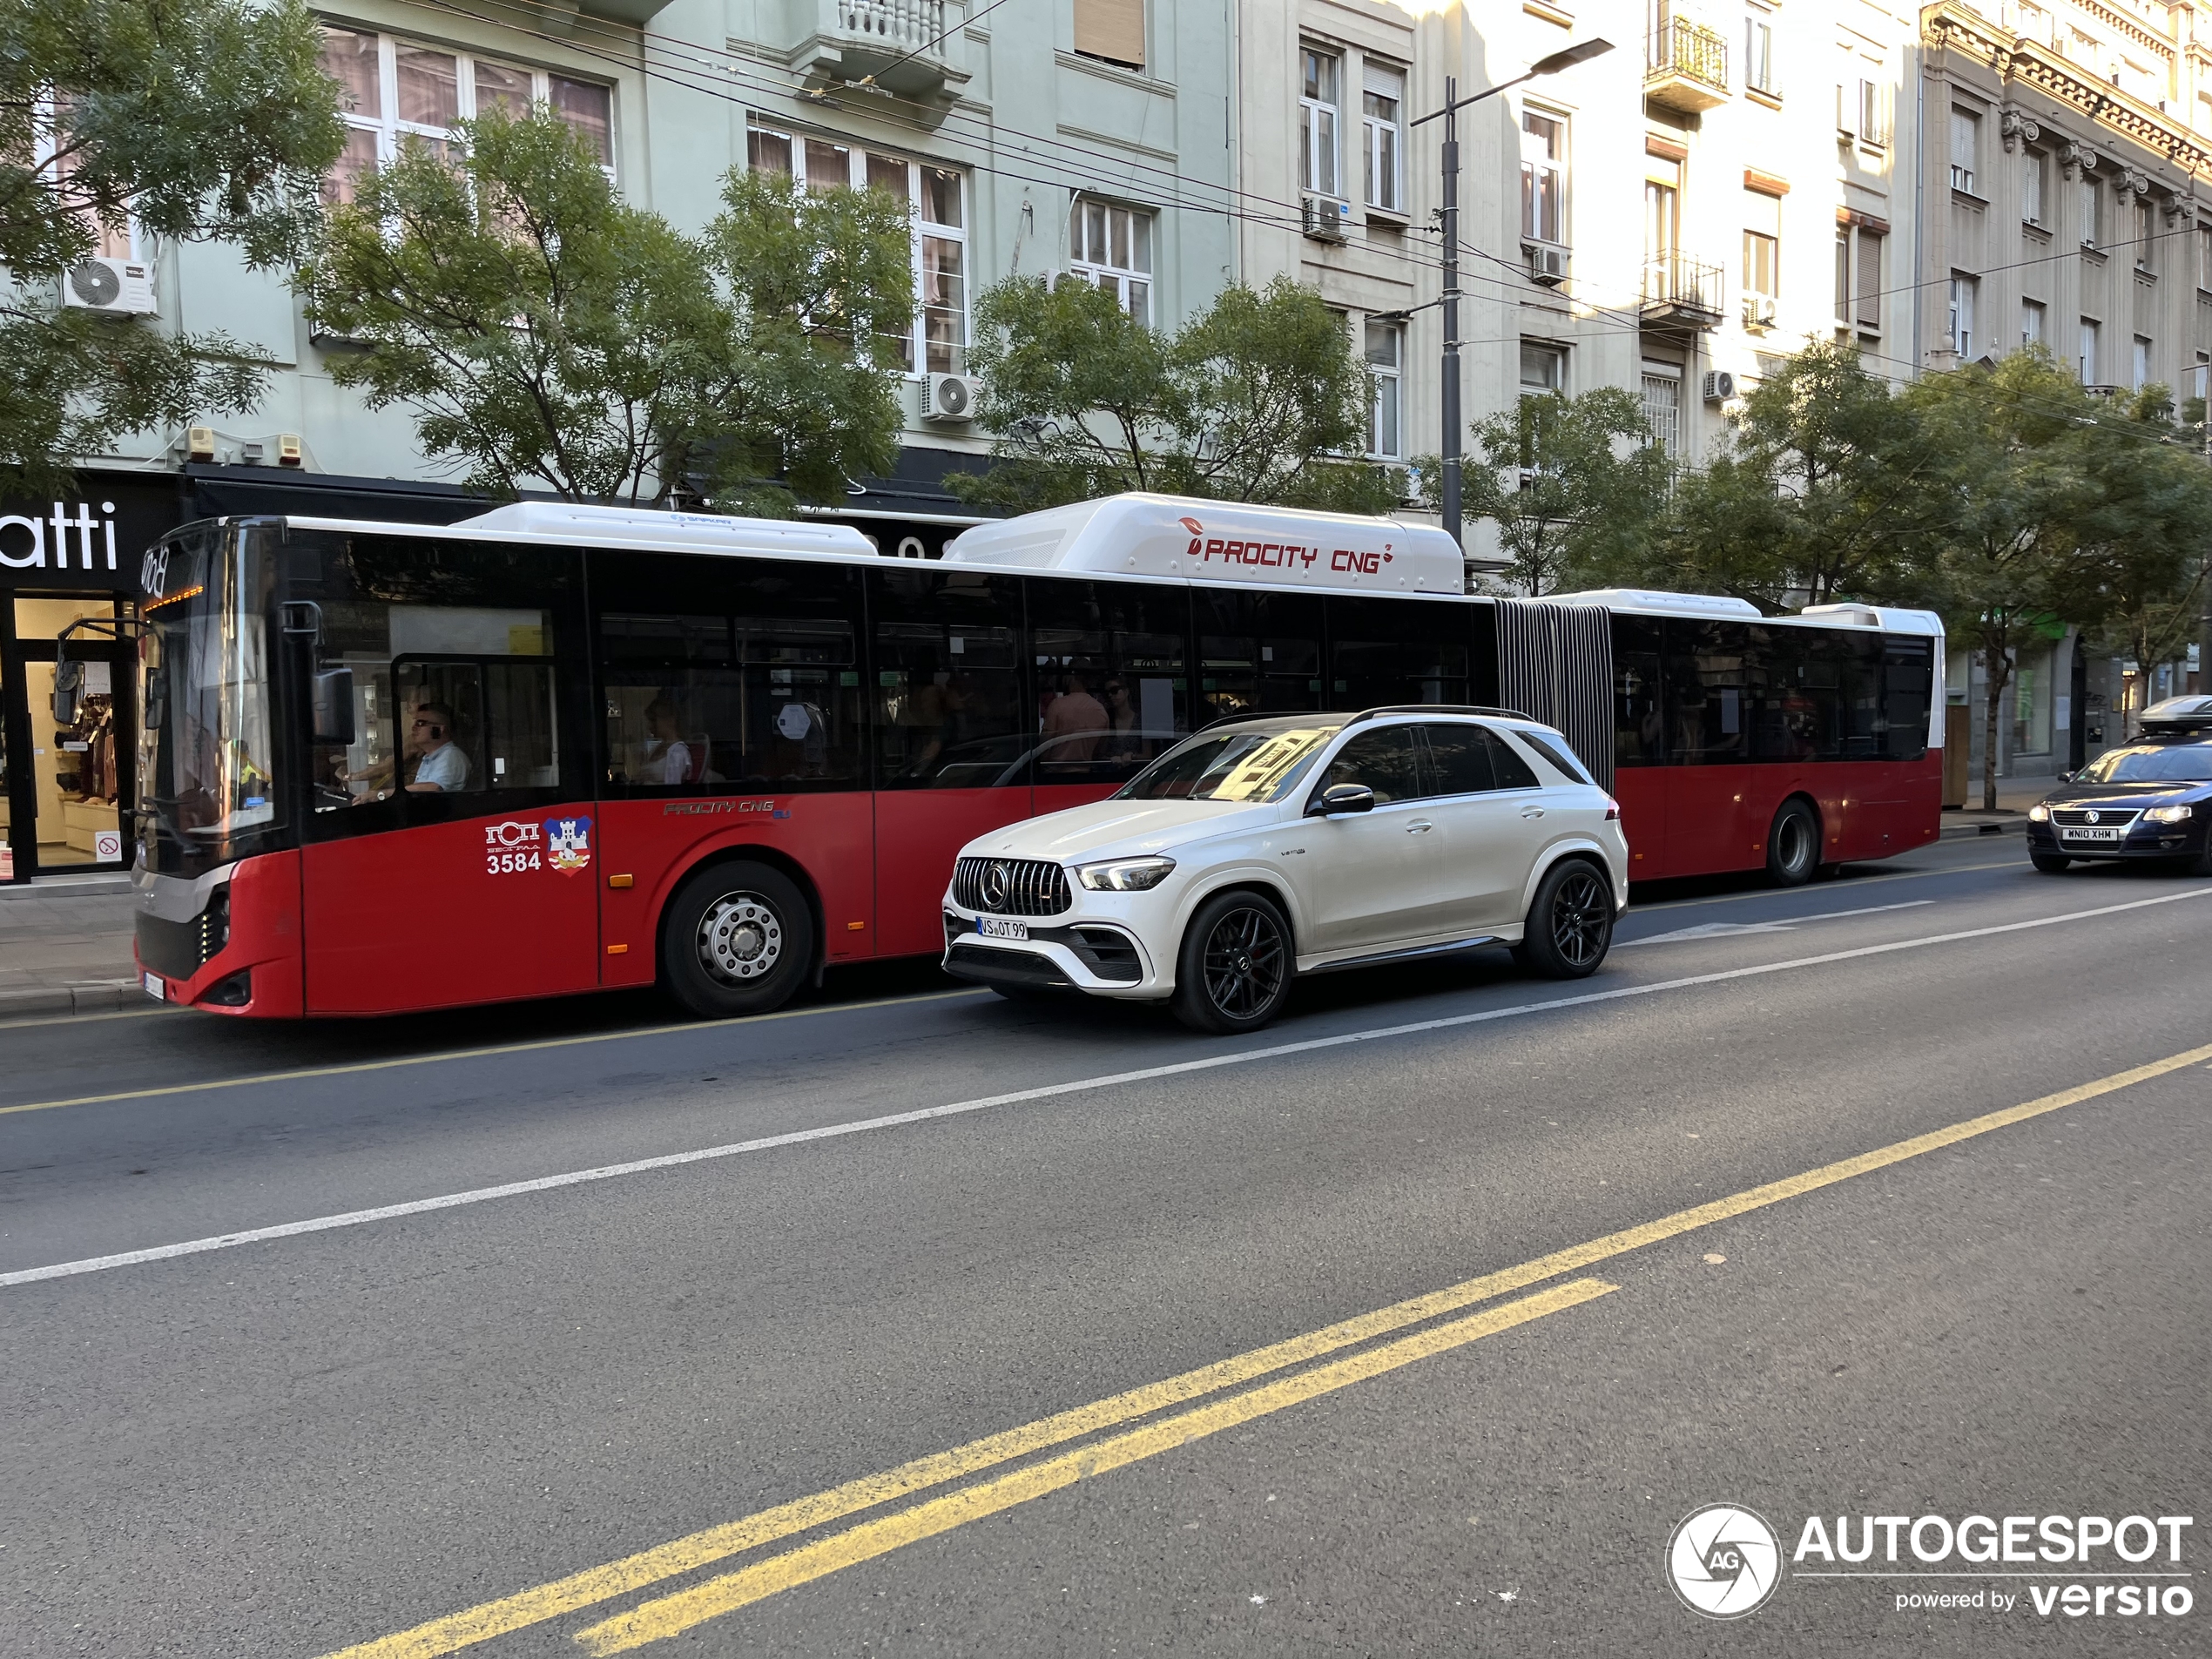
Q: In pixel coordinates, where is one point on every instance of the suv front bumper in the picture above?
(1099, 958)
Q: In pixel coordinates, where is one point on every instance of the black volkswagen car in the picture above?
(2151, 798)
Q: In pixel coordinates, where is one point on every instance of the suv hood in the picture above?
(1118, 829)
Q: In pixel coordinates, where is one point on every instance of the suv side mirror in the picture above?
(333, 702)
(1341, 797)
(2066, 777)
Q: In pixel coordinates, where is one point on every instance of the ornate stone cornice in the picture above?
(1947, 26)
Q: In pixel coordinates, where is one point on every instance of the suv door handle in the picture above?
(1532, 812)
(1420, 827)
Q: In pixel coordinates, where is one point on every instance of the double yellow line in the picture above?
(671, 1615)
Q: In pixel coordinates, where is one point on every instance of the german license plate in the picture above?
(2116, 834)
(156, 989)
(999, 927)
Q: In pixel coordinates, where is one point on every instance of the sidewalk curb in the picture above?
(94, 996)
(1960, 831)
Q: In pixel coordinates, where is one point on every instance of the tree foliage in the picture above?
(200, 120)
(1259, 398)
(546, 334)
(1573, 484)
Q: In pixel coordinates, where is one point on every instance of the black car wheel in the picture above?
(1793, 846)
(2051, 863)
(738, 939)
(1570, 925)
(1233, 972)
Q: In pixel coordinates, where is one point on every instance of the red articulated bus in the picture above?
(554, 749)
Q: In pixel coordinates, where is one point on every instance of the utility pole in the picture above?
(1449, 449)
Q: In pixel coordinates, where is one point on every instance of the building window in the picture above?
(2089, 199)
(1873, 113)
(1319, 148)
(1966, 148)
(2031, 322)
(1859, 278)
(1383, 136)
(1662, 207)
(2032, 165)
(934, 198)
(1543, 369)
(393, 92)
(2086, 362)
(1662, 410)
(1387, 363)
(1758, 56)
(1112, 30)
(1543, 177)
(1111, 248)
(2200, 381)
(1761, 244)
(1962, 313)
(2146, 233)
(2141, 364)
(2204, 257)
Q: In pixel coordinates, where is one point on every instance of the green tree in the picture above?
(200, 120)
(546, 333)
(1258, 398)
(1818, 490)
(1573, 484)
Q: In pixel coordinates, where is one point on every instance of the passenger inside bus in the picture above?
(668, 758)
(1075, 715)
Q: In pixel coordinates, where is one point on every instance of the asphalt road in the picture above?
(1415, 1323)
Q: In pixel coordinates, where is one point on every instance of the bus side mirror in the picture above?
(67, 677)
(333, 706)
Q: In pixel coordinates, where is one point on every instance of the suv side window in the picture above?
(1383, 759)
(1569, 768)
(1458, 759)
(1512, 772)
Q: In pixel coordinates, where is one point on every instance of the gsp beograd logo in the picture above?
(1723, 1561)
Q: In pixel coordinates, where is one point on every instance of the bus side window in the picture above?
(1399, 650)
(1706, 679)
(949, 709)
(1908, 686)
(1112, 678)
(1258, 653)
(1639, 715)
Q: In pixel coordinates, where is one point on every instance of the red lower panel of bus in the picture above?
(1704, 821)
(918, 834)
(264, 943)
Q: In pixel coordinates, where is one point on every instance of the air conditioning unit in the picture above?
(1546, 264)
(102, 284)
(1325, 218)
(1720, 386)
(950, 397)
(1758, 311)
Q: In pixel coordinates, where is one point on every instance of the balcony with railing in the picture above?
(1685, 65)
(1681, 294)
(908, 47)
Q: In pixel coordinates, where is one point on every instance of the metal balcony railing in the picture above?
(1685, 65)
(1682, 291)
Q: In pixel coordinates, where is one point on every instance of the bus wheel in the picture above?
(1793, 846)
(739, 939)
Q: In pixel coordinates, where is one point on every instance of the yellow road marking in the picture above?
(479, 1054)
(481, 1624)
(673, 1615)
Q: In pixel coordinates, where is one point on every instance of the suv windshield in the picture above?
(1244, 763)
(2185, 763)
(205, 757)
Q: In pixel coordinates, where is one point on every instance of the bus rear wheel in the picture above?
(739, 938)
(1793, 846)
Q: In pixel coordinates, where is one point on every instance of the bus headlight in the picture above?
(1124, 875)
(2171, 814)
(2039, 815)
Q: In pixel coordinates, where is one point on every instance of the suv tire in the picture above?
(1793, 844)
(1570, 922)
(738, 938)
(1233, 971)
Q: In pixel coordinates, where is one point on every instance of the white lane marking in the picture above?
(833, 1131)
(1782, 925)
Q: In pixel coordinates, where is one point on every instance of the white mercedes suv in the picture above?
(1263, 848)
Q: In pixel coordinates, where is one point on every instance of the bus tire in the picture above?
(1793, 844)
(1569, 927)
(739, 939)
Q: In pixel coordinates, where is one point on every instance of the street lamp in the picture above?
(1567, 58)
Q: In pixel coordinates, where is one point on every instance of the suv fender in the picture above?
(1578, 845)
(1259, 878)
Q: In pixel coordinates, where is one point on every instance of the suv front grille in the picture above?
(2106, 817)
(1011, 886)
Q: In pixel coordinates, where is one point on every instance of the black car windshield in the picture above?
(1258, 762)
(2180, 763)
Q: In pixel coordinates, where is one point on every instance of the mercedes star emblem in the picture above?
(998, 880)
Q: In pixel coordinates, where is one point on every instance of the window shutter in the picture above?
(1382, 80)
(1113, 29)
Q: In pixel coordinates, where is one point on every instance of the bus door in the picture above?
(452, 849)
(952, 732)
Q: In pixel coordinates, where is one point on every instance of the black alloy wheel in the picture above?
(1236, 964)
(737, 938)
(1793, 846)
(1570, 925)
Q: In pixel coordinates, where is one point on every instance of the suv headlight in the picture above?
(2039, 815)
(2171, 814)
(1124, 875)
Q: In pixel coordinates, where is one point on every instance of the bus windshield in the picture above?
(1244, 763)
(205, 749)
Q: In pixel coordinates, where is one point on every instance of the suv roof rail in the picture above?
(1441, 708)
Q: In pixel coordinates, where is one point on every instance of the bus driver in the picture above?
(438, 764)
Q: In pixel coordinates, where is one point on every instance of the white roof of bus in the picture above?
(1653, 601)
(1140, 534)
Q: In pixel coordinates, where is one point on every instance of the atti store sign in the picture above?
(92, 537)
